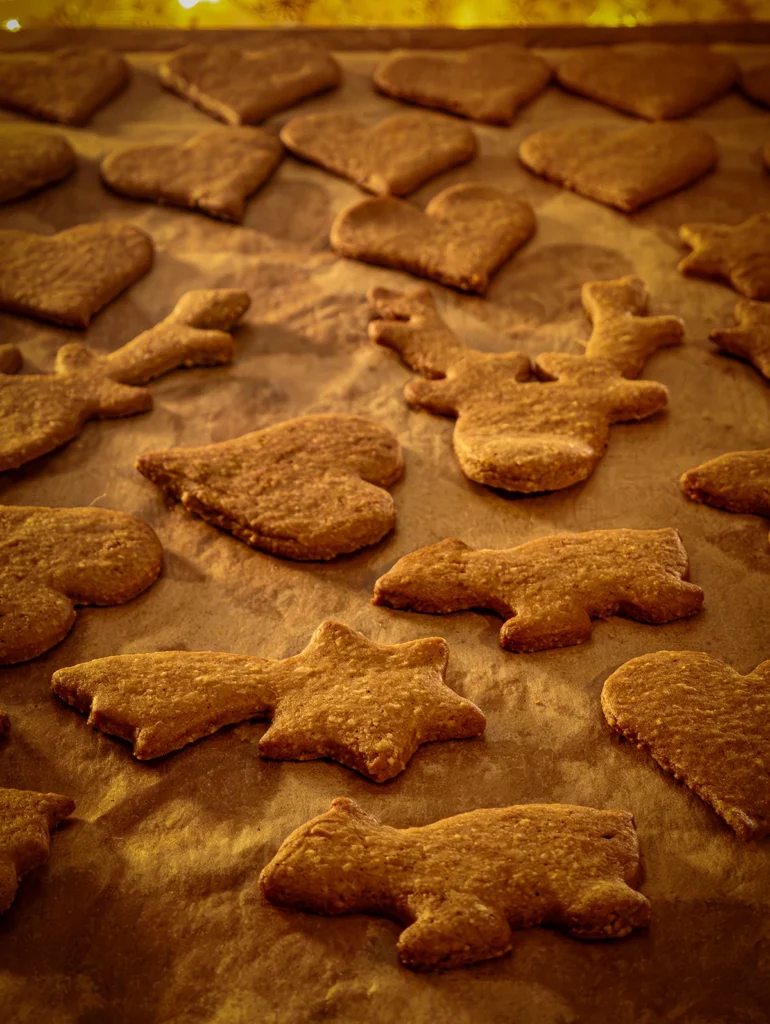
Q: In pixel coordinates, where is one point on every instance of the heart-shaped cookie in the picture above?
(30, 159)
(393, 157)
(214, 172)
(66, 85)
(621, 167)
(706, 724)
(244, 88)
(653, 80)
(465, 233)
(67, 278)
(485, 83)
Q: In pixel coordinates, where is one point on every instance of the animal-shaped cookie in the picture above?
(67, 277)
(460, 885)
(703, 722)
(736, 253)
(67, 85)
(653, 80)
(56, 558)
(245, 88)
(367, 705)
(513, 432)
(30, 159)
(750, 340)
(548, 590)
(621, 167)
(486, 83)
(736, 482)
(41, 412)
(755, 82)
(26, 819)
(392, 157)
(461, 238)
(214, 172)
(308, 488)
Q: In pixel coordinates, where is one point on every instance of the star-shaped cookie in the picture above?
(703, 722)
(26, 819)
(736, 253)
(750, 340)
(736, 482)
(367, 705)
(30, 159)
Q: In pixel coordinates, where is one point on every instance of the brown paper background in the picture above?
(149, 909)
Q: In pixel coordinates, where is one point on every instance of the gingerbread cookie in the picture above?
(737, 482)
(736, 253)
(756, 84)
(549, 589)
(766, 154)
(310, 488)
(461, 884)
(461, 238)
(653, 80)
(30, 159)
(703, 722)
(244, 88)
(622, 332)
(393, 157)
(750, 340)
(26, 818)
(41, 412)
(486, 83)
(5, 723)
(621, 167)
(10, 360)
(367, 705)
(55, 558)
(512, 432)
(66, 278)
(66, 86)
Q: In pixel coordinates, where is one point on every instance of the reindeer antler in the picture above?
(411, 326)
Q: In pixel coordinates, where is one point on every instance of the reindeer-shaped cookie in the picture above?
(40, 412)
(460, 885)
(26, 818)
(523, 433)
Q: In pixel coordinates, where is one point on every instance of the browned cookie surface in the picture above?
(461, 238)
(367, 705)
(66, 86)
(394, 156)
(550, 589)
(56, 558)
(750, 339)
(755, 82)
(736, 481)
(309, 488)
(706, 724)
(242, 87)
(214, 172)
(738, 254)
(621, 167)
(30, 159)
(485, 83)
(40, 412)
(66, 278)
(460, 885)
(653, 80)
(26, 818)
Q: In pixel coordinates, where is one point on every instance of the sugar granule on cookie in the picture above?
(392, 157)
(41, 412)
(66, 85)
(30, 159)
(621, 167)
(548, 590)
(244, 88)
(513, 431)
(26, 819)
(367, 705)
(653, 80)
(736, 482)
(68, 277)
(56, 558)
(738, 254)
(750, 340)
(460, 885)
(214, 172)
(310, 488)
(703, 722)
(486, 83)
(461, 238)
